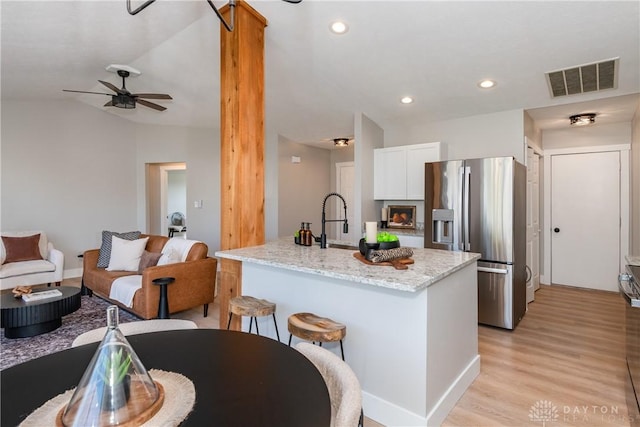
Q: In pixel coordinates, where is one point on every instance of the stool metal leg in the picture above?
(341, 350)
(257, 330)
(229, 322)
(276, 325)
(251, 324)
(290, 335)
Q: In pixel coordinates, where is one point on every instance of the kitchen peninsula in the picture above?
(411, 334)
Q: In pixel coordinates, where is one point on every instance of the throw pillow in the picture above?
(126, 254)
(21, 248)
(105, 249)
(148, 259)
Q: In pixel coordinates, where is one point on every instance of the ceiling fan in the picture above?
(125, 99)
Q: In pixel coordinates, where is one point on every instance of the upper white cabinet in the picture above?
(399, 171)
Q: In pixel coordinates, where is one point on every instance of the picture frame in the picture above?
(401, 216)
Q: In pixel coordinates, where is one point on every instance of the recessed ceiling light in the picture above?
(406, 100)
(486, 84)
(339, 27)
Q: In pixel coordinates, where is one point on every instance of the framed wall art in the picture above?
(402, 216)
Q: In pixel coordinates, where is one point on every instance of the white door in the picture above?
(344, 186)
(585, 220)
(533, 223)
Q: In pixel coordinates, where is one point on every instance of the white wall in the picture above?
(199, 148)
(368, 136)
(635, 183)
(587, 136)
(73, 170)
(301, 186)
(67, 169)
(486, 135)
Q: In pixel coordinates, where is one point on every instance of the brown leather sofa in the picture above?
(194, 285)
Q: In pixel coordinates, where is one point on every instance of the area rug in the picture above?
(92, 314)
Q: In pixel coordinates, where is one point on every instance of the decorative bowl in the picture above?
(389, 245)
(364, 246)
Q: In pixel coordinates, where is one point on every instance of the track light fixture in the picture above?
(583, 119)
(228, 26)
(341, 142)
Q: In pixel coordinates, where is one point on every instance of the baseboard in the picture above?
(72, 273)
(446, 403)
(392, 415)
(389, 414)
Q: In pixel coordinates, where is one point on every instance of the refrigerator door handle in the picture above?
(493, 270)
(459, 222)
(467, 184)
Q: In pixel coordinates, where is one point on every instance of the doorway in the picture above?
(344, 186)
(585, 221)
(533, 223)
(166, 194)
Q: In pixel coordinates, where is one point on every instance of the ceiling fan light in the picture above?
(123, 101)
(582, 119)
(341, 142)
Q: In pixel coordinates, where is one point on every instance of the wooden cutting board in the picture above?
(398, 264)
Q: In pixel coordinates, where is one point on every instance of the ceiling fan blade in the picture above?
(84, 91)
(109, 104)
(152, 95)
(112, 87)
(151, 105)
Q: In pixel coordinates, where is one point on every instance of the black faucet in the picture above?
(345, 227)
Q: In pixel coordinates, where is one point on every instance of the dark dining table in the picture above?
(240, 379)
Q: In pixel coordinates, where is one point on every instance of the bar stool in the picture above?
(249, 306)
(310, 327)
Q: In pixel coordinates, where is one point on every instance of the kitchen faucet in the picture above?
(345, 227)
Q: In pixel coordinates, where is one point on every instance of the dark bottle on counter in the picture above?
(308, 240)
(301, 234)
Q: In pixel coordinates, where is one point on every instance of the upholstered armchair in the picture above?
(28, 258)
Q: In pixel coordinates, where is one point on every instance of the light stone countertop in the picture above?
(633, 260)
(431, 265)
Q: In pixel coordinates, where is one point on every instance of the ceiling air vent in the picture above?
(584, 78)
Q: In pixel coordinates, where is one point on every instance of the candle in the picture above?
(383, 214)
(371, 229)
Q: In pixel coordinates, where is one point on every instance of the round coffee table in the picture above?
(22, 319)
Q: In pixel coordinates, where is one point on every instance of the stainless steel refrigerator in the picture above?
(478, 205)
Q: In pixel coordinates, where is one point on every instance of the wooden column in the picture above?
(241, 144)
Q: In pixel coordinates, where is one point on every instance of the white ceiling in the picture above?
(436, 51)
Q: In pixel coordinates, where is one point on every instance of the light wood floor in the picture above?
(568, 351)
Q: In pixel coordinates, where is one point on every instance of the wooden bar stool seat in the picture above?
(246, 305)
(311, 327)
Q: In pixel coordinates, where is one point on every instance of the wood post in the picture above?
(241, 144)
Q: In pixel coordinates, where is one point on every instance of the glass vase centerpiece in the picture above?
(115, 389)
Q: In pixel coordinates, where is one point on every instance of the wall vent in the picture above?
(584, 78)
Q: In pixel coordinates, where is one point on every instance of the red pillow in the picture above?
(21, 248)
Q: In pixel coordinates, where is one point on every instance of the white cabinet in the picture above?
(399, 171)
(389, 173)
